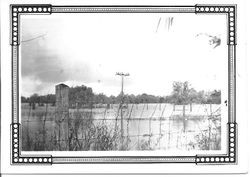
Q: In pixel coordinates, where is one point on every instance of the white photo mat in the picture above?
(229, 153)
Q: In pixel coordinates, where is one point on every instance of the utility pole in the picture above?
(121, 105)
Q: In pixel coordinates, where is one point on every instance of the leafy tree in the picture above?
(101, 98)
(214, 97)
(161, 100)
(34, 98)
(112, 99)
(24, 99)
(182, 93)
(51, 98)
(80, 96)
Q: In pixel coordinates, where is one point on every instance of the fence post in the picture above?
(184, 117)
(62, 116)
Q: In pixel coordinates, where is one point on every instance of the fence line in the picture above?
(141, 137)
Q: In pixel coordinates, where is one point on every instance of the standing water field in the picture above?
(155, 126)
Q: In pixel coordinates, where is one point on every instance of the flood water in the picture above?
(145, 126)
(163, 126)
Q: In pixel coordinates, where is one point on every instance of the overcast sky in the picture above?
(88, 49)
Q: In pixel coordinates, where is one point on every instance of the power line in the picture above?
(121, 105)
(34, 38)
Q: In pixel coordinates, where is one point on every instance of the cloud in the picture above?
(44, 65)
(90, 53)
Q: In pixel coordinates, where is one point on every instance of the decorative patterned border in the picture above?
(16, 155)
(230, 157)
(16, 10)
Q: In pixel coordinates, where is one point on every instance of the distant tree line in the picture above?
(39, 99)
(81, 96)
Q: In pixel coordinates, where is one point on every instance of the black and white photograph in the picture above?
(122, 82)
(123, 88)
